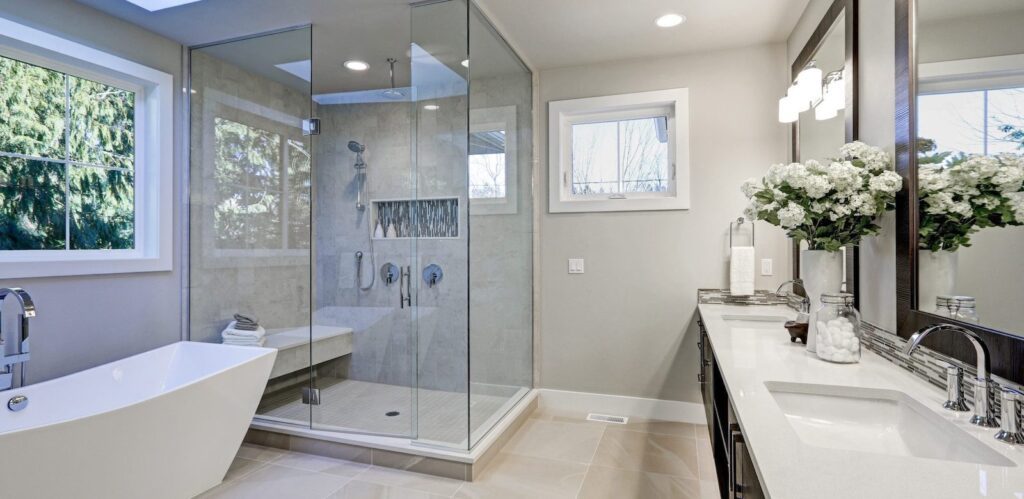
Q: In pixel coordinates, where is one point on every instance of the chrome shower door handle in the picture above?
(408, 285)
(401, 288)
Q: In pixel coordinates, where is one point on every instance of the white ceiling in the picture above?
(941, 10)
(554, 33)
(367, 30)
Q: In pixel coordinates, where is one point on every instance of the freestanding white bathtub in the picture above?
(162, 424)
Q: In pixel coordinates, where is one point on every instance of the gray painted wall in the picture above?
(627, 326)
(86, 321)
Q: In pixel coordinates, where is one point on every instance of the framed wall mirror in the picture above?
(960, 140)
(818, 133)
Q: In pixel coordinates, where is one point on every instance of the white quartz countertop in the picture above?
(751, 354)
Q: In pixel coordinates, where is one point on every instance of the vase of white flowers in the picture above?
(828, 206)
(959, 195)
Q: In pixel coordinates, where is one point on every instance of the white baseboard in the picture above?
(619, 405)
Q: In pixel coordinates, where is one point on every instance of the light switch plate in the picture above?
(766, 266)
(575, 265)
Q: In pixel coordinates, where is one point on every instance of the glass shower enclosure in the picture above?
(377, 223)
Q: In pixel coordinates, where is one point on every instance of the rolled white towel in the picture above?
(232, 333)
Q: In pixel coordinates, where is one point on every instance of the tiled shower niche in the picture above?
(423, 218)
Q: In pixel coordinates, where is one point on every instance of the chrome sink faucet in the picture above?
(798, 290)
(21, 355)
(983, 414)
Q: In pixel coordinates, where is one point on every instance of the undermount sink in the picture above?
(876, 421)
(755, 318)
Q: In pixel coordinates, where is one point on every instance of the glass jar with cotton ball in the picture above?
(838, 329)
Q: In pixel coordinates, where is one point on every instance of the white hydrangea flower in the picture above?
(887, 181)
(791, 216)
(750, 187)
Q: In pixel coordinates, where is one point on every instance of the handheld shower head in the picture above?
(356, 147)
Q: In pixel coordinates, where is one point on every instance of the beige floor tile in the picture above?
(410, 480)
(659, 427)
(574, 442)
(259, 453)
(631, 450)
(510, 476)
(709, 490)
(705, 460)
(358, 489)
(241, 467)
(612, 483)
(275, 482)
(321, 464)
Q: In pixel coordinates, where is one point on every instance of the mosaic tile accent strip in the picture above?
(927, 364)
(722, 296)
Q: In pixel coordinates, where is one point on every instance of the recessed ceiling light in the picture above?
(465, 63)
(431, 107)
(670, 20)
(355, 65)
(153, 5)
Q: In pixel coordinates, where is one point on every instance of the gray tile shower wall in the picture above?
(386, 336)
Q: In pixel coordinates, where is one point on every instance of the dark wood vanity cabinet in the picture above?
(734, 467)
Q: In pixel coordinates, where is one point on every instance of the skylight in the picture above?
(154, 5)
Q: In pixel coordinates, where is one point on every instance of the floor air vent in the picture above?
(604, 418)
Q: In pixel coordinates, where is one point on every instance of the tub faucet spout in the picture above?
(21, 350)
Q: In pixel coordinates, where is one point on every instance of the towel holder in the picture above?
(737, 224)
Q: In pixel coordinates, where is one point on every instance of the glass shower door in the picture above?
(250, 167)
(363, 343)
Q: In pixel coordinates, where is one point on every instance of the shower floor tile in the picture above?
(362, 406)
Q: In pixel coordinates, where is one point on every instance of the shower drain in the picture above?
(391, 414)
(605, 418)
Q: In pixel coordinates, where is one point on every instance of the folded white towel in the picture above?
(232, 332)
(741, 271)
(245, 343)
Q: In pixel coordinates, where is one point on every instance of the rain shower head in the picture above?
(393, 93)
(356, 147)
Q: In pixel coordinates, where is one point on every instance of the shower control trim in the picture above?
(432, 275)
(388, 273)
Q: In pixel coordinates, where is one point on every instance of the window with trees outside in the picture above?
(263, 181)
(86, 159)
(620, 153)
(67, 161)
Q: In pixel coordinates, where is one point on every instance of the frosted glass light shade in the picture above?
(797, 99)
(825, 111)
(787, 111)
(836, 93)
(809, 83)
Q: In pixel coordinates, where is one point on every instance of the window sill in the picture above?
(62, 266)
(664, 203)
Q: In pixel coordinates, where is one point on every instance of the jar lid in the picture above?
(963, 301)
(837, 298)
(943, 300)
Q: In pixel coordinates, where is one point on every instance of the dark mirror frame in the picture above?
(1006, 350)
(815, 41)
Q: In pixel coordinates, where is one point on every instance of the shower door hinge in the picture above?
(311, 126)
(310, 396)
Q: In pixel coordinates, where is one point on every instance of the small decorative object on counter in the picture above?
(797, 331)
(838, 329)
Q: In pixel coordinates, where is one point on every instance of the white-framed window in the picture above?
(493, 162)
(625, 152)
(85, 159)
